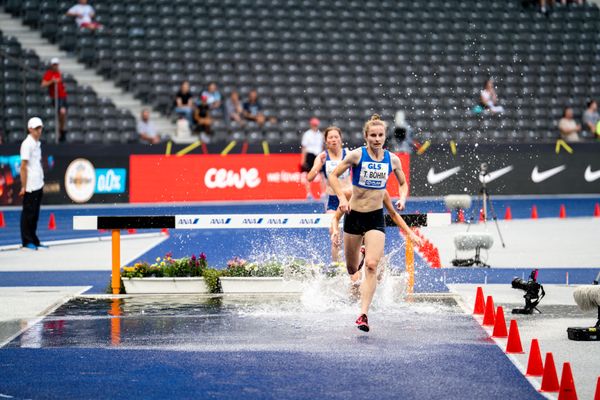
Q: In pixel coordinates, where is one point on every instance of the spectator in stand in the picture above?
(84, 15)
(213, 97)
(312, 146)
(203, 119)
(489, 98)
(253, 109)
(52, 79)
(569, 129)
(146, 129)
(234, 109)
(184, 104)
(591, 117)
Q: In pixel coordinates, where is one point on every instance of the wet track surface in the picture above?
(255, 348)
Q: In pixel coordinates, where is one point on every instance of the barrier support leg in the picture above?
(410, 265)
(116, 261)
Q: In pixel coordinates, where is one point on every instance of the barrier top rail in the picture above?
(236, 221)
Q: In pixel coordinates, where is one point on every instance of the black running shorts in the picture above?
(359, 223)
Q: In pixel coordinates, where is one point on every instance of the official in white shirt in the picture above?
(32, 184)
(312, 145)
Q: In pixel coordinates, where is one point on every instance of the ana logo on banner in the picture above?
(223, 178)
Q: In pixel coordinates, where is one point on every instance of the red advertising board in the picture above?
(158, 178)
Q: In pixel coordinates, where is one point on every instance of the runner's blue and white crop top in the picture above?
(370, 174)
(330, 165)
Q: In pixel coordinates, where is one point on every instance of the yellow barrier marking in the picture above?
(424, 147)
(265, 147)
(453, 147)
(410, 264)
(189, 148)
(169, 146)
(228, 148)
(561, 143)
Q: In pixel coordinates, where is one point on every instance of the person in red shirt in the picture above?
(56, 89)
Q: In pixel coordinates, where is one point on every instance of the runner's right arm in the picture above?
(316, 168)
(351, 159)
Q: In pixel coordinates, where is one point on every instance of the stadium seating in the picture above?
(342, 60)
(91, 119)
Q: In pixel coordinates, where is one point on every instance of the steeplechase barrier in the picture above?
(233, 221)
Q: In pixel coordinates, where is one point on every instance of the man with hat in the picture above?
(32, 184)
(56, 89)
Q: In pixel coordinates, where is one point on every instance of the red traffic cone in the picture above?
(52, 222)
(488, 315)
(563, 211)
(479, 302)
(165, 231)
(481, 215)
(534, 363)
(131, 231)
(567, 385)
(597, 395)
(549, 378)
(513, 344)
(597, 210)
(508, 214)
(499, 324)
(2, 223)
(534, 213)
(461, 214)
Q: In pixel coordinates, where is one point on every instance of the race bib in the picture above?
(373, 175)
(330, 166)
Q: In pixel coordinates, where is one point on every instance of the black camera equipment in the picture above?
(486, 201)
(534, 293)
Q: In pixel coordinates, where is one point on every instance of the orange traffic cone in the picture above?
(567, 386)
(479, 302)
(549, 378)
(461, 214)
(499, 324)
(534, 363)
(563, 211)
(508, 214)
(534, 213)
(488, 315)
(52, 222)
(131, 231)
(597, 210)
(597, 395)
(513, 345)
(2, 223)
(165, 231)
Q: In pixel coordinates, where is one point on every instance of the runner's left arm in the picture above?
(398, 220)
(402, 185)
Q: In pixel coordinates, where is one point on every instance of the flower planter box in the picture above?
(165, 285)
(259, 285)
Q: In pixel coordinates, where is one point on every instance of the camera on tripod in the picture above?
(534, 293)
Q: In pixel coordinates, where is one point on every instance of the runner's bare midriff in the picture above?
(365, 200)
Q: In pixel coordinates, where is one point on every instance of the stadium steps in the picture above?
(31, 39)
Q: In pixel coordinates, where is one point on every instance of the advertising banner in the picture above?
(208, 177)
(506, 170)
(70, 179)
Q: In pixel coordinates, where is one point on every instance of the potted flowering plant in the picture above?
(168, 275)
(270, 276)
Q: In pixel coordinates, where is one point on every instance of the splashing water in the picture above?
(323, 294)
